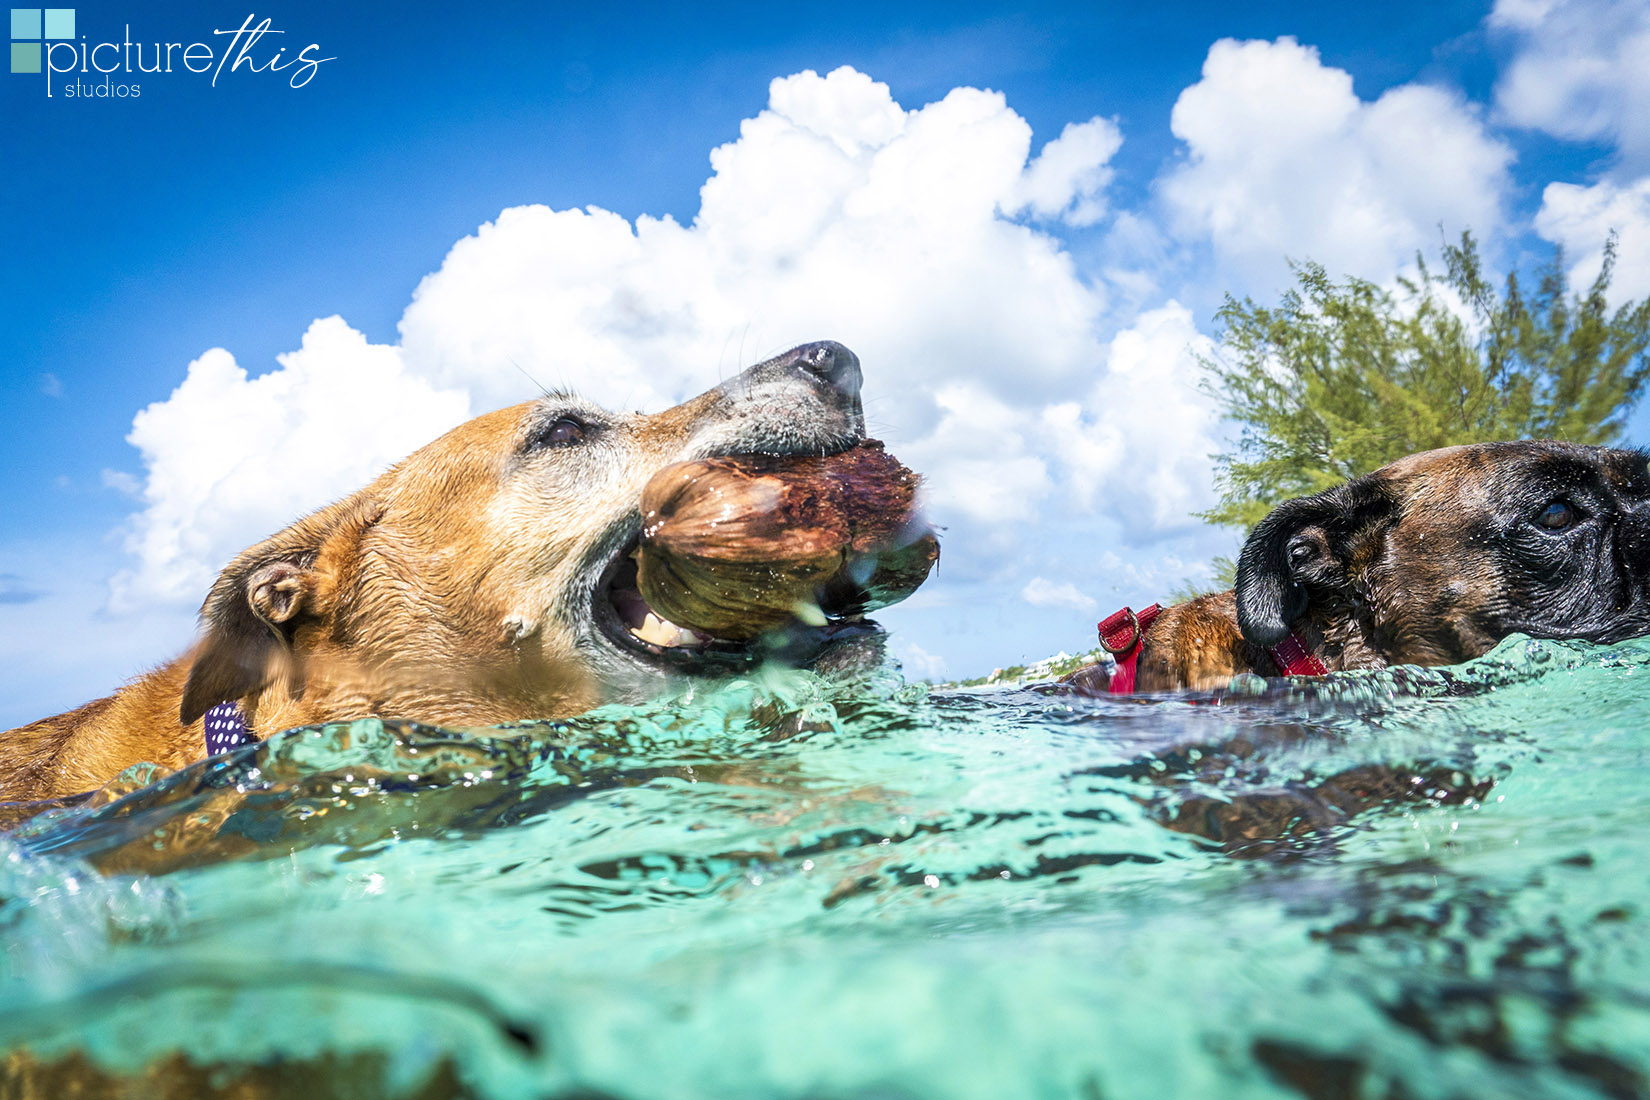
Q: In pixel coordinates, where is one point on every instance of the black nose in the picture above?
(831, 363)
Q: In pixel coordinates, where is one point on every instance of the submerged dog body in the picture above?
(1431, 560)
(469, 585)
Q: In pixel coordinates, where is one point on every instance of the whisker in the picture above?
(541, 388)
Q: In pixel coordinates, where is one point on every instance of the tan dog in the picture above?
(474, 583)
(1429, 561)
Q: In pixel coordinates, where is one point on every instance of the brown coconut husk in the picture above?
(737, 546)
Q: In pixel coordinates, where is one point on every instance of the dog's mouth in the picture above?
(630, 623)
(739, 558)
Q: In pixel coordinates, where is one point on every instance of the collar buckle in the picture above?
(1121, 646)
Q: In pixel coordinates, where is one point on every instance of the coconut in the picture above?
(737, 546)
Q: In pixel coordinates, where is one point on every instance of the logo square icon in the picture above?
(25, 57)
(31, 28)
(25, 23)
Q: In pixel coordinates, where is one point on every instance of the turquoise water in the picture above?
(1402, 884)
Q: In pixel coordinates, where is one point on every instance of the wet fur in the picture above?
(455, 589)
(1429, 561)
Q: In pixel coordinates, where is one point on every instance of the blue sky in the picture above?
(143, 232)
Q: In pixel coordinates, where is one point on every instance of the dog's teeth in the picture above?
(656, 630)
(809, 612)
(663, 632)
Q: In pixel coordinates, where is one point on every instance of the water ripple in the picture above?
(1400, 883)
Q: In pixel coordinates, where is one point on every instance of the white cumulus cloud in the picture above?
(836, 214)
(1582, 218)
(917, 237)
(1137, 443)
(230, 459)
(919, 663)
(1283, 159)
(1069, 177)
(1580, 71)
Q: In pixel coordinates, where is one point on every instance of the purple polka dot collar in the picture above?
(226, 729)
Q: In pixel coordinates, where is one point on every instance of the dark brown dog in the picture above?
(487, 578)
(1429, 561)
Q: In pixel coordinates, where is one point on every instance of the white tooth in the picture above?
(659, 631)
(808, 612)
(649, 630)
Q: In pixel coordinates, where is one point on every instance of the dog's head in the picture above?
(481, 566)
(1437, 557)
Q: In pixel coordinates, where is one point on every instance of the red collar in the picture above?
(1122, 632)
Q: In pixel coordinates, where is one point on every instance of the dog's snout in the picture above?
(805, 400)
(1633, 544)
(832, 364)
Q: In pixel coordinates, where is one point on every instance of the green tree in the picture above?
(1342, 378)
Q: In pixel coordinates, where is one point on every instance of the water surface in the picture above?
(1399, 884)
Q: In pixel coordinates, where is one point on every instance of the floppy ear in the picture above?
(1301, 542)
(248, 622)
(256, 606)
(1269, 597)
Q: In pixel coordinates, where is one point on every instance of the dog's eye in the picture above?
(1556, 516)
(567, 431)
(1303, 550)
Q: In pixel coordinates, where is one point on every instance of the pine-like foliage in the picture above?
(1342, 378)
